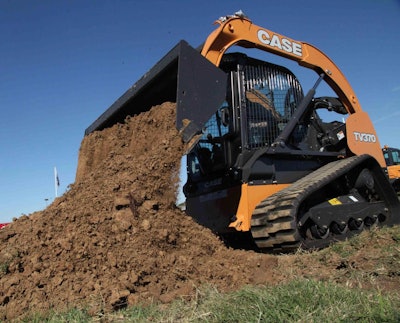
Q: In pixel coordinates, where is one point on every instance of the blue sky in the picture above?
(62, 63)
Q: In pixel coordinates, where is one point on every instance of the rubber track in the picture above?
(274, 224)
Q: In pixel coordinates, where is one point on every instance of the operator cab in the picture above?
(261, 99)
(392, 156)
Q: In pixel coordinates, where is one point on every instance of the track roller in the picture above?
(332, 203)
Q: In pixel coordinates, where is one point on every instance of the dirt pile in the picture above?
(115, 237)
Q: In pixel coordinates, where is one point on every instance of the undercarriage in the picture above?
(330, 204)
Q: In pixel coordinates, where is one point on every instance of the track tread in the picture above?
(274, 222)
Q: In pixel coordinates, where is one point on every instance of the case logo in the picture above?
(280, 42)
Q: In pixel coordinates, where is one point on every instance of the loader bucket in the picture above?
(183, 76)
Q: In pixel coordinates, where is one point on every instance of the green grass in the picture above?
(73, 315)
(297, 301)
(357, 242)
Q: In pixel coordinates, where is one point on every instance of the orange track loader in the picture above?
(392, 158)
(286, 168)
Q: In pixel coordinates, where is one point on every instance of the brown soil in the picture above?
(116, 238)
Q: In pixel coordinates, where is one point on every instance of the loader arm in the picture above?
(239, 30)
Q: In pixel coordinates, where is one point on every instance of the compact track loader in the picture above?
(288, 169)
(392, 158)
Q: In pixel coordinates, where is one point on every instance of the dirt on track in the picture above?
(116, 238)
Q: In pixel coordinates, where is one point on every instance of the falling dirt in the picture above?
(116, 238)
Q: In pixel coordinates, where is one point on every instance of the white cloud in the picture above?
(396, 89)
(389, 116)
